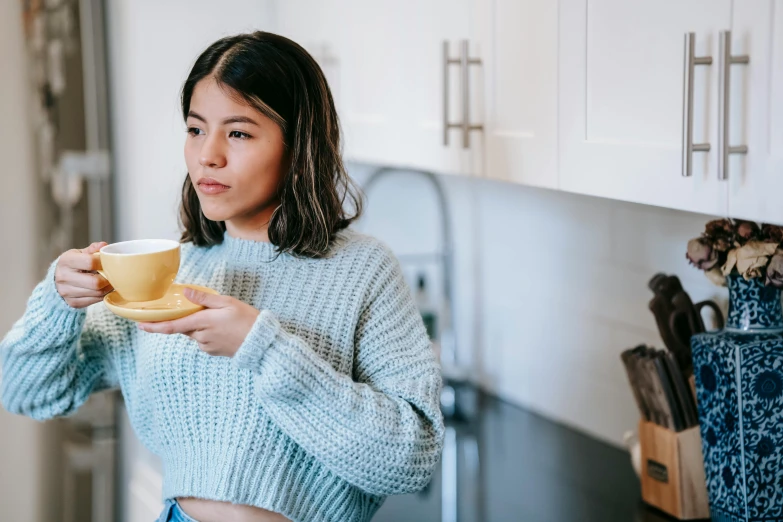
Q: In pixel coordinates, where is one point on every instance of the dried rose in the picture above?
(716, 276)
(775, 270)
(772, 233)
(731, 262)
(750, 259)
(747, 230)
(719, 228)
(701, 254)
(722, 244)
(755, 271)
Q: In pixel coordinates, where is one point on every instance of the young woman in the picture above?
(307, 390)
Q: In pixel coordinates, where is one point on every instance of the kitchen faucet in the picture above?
(454, 373)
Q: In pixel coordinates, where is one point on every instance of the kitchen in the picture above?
(555, 134)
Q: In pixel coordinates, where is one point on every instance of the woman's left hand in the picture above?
(219, 329)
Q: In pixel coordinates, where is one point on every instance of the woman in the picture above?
(307, 390)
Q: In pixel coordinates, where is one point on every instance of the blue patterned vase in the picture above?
(739, 389)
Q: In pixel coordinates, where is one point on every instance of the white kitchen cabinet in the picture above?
(414, 54)
(520, 41)
(621, 101)
(384, 62)
(318, 26)
(587, 97)
(341, 37)
(755, 179)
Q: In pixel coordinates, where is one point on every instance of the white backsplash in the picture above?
(550, 287)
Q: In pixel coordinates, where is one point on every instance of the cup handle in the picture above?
(97, 256)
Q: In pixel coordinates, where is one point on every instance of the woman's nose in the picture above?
(212, 154)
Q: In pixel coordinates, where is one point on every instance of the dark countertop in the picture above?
(513, 465)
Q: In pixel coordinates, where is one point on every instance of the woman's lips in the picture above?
(211, 187)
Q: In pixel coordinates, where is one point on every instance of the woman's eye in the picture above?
(193, 131)
(238, 134)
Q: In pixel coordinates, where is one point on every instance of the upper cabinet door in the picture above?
(420, 93)
(624, 106)
(317, 25)
(384, 61)
(520, 43)
(755, 112)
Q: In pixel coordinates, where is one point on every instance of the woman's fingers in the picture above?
(82, 302)
(187, 325)
(93, 247)
(82, 259)
(86, 280)
(76, 280)
(72, 291)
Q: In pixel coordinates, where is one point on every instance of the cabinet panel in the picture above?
(756, 112)
(520, 38)
(621, 79)
(384, 62)
(416, 138)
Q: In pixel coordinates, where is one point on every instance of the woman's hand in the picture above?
(219, 329)
(76, 280)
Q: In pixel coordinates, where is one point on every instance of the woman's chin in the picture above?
(215, 216)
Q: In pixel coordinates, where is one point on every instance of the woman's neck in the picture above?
(254, 228)
(254, 234)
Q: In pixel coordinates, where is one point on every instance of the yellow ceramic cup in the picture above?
(140, 270)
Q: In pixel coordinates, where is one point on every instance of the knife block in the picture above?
(673, 471)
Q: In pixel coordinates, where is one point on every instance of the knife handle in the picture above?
(682, 346)
(662, 310)
(628, 359)
(694, 324)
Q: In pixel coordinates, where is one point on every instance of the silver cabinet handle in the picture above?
(467, 61)
(447, 61)
(724, 97)
(688, 147)
(464, 61)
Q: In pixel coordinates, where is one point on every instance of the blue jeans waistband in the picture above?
(173, 513)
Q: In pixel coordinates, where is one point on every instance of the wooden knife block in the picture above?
(673, 471)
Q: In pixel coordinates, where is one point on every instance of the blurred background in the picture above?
(530, 280)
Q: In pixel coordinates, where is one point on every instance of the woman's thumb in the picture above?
(94, 247)
(204, 299)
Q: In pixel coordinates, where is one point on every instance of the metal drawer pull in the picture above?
(724, 97)
(447, 125)
(464, 61)
(688, 147)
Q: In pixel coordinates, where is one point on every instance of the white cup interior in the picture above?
(140, 246)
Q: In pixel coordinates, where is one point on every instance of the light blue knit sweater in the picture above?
(330, 404)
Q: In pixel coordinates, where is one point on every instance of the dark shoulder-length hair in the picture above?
(281, 80)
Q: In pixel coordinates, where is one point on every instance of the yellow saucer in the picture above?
(171, 306)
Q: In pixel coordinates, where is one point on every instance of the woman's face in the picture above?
(235, 156)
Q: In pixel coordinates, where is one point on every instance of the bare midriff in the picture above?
(205, 510)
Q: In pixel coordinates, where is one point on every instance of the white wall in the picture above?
(550, 287)
(25, 445)
(152, 46)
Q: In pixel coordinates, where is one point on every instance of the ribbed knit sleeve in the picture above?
(380, 429)
(53, 357)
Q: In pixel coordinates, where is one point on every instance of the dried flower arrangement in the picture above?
(741, 247)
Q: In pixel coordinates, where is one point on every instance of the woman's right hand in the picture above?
(76, 279)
